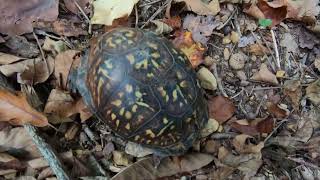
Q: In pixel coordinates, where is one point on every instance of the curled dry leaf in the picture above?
(37, 73)
(67, 28)
(292, 88)
(63, 64)
(242, 145)
(265, 75)
(16, 110)
(105, 11)
(17, 16)
(194, 51)
(168, 167)
(121, 158)
(18, 67)
(221, 108)
(313, 92)
(202, 8)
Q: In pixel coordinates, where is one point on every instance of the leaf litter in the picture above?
(260, 119)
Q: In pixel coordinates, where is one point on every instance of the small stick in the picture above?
(276, 49)
(137, 16)
(156, 13)
(215, 71)
(274, 130)
(227, 21)
(84, 14)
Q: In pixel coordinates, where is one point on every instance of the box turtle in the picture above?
(144, 89)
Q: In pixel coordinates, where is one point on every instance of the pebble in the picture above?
(209, 61)
(207, 79)
(226, 40)
(235, 37)
(237, 61)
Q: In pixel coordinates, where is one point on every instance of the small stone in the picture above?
(237, 61)
(241, 75)
(226, 54)
(254, 58)
(226, 30)
(137, 150)
(235, 37)
(207, 79)
(226, 40)
(211, 127)
(209, 61)
(211, 146)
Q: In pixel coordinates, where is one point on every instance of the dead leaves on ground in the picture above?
(221, 108)
(16, 110)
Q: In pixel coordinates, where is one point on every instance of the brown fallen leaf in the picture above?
(37, 73)
(202, 8)
(277, 111)
(8, 58)
(67, 28)
(71, 6)
(256, 49)
(19, 45)
(194, 51)
(18, 67)
(63, 64)
(254, 127)
(313, 92)
(292, 88)
(16, 110)
(221, 108)
(174, 22)
(17, 16)
(9, 162)
(168, 167)
(243, 145)
(265, 75)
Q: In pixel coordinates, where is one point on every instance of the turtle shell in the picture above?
(144, 89)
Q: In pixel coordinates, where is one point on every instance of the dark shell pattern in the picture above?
(144, 89)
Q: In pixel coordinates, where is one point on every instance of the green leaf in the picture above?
(265, 22)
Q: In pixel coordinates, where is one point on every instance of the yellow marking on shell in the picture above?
(183, 84)
(134, 108)
(117, 102)
(174, 51)
(130, 58)
(113, 116)
(162, 91)
(152, 45)
(108, 64)
(138, 94)
(118, 41)
(121, 112)
(128, 126)
(174, 95)
(167, 98)
(148, 141)
(110, 43)
(129, 34)
(150, 133)
(137, 137)
(104, 72)
(179, 75)
(165, 120)
(172, 127)
(120, 94)
(129, 88)
(143, 63)
(150, 75)
(128, 115)
(163, 129)
(155, 55)
(155, 63)
(117, 123)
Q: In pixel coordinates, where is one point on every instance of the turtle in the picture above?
(143, 89)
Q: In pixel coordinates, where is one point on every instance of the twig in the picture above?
(84, 14)
(274, 130)
(301, 161)
(150, 3)
(215, 71)
(48, 153)
(137, 16)
(156, 13)
(276, 49)
(227, 21)
(97, 166)
(266, 88)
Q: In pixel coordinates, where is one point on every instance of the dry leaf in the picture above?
(289, 42)
(194, 51)
(63, 64)
(313, 92)
(202, 8)
(37, 73)
(162, 27)
(71, 6)
(265, 75)
(17, 16)
(237, 61)
(16, 110)
(243, 145)
(18, 67)
(137, 150)
(121, 158)
(8, 58)
(173, 22)
(277, 111)
(67, 28)
(221, 108)
(168, 167)
(9, 162)
(292, 88)
(317, 63)
(105, 11)
(257, 49)
(55, 47)
(255, 127)
(18, 139)
(19, 45)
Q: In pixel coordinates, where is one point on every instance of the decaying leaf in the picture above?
(145, 167)
(254, 127)
(242, 145)
(9, 162)
(221, 108)
(161, 27)
(55, 47)
(18, 67)
(174, 22)
(313, 92)
(289, 42)
(237, 60)
(292, 88)
(265, 75)
(257, 49)
(37, 73)
(137, 150)
(67, 28)
(201, 7)
(18, 139)
(63, 64)
(201, 27)
(8, 58)
(17, 16)
(16, 110)
(277, 111)
(194, 51)
(105, 11)
(19, 45)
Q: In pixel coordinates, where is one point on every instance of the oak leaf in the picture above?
(16, 110)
